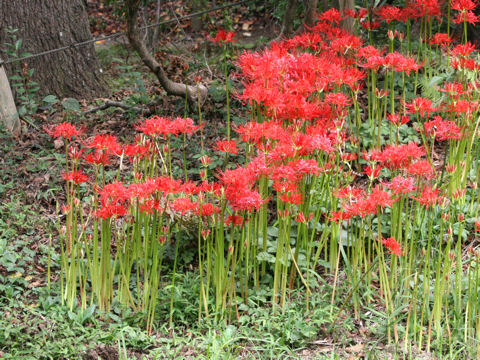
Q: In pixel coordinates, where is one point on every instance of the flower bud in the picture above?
(390, 34)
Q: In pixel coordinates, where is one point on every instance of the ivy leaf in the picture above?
(71, 104)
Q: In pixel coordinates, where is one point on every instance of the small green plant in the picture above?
(21, 81)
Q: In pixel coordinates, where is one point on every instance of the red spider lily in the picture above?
(245, 200)
(332, 15)
(463, 106)
(381, 198)
(65, 130)
(98, 157)
(74, 153)
(302, 219)
(76, 176)
(462, 63)
(477, 226)
(420, 105)
(223, 37)
(306, 40)
(142, 190)
(423, 8)
(459, 194)
(462, 50)
(400, 185)
(111, 210)
(463, 5)
(398, 156)
(162, 126)
(114, 193)
(107, 143)
(398, 120)
(421, 168)
(348, 156)
(238, 186)
(214, 188)
(150, 206)
(205, 160)
(206, 209)
(450, 168)
(398, 62)
(338, 216)
(441, 39)
(305, 166)
(293, 197)
(235, 220)
(362, 208)
(136, 150)
(453, 89)
(394, 247)
(373, 62)
(155, 126)
(369, 51)
(466, 16)
(228, 146)
(373, 172)
(189, 188)
(349, 193)
(429, 197)
(254, 132)
(370, 25)
(183, 205)
(344, 43)
(167, 185)
(442, 129)
(338, 99)
(283, 185)
(184, 126)
(239, 177)
(388, 13)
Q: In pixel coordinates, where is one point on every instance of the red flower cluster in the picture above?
(76, 176)
(65, 130)
(223, 37)
(394, 247)
(228, 146)
(160, 126)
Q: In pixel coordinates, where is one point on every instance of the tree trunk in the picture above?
(311, 13)
(310, 16)
(8, 112)
(45, 25)
(347, 23)
(288, 17)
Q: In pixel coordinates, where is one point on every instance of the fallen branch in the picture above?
(111, 103)
(193, 93)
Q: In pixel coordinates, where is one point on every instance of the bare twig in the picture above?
(111, 103)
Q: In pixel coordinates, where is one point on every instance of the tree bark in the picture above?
(193, 93)
(310, 16)
(311, 13)
(347, 23)
(8, 111)
(45, 25)
(288, 17)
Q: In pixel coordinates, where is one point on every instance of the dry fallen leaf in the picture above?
(57, 143)
(355, 348)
